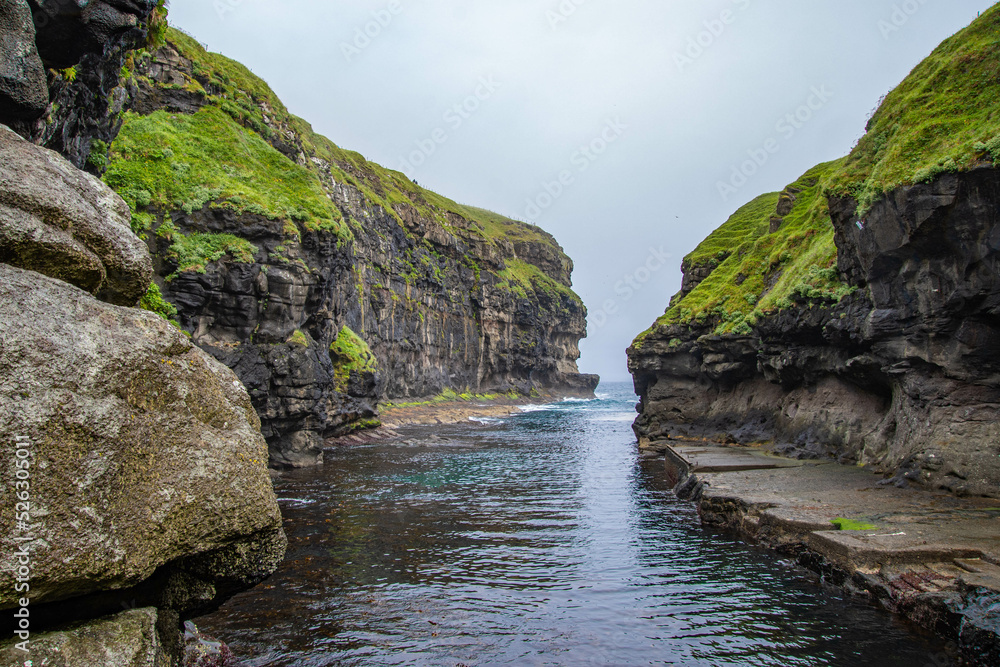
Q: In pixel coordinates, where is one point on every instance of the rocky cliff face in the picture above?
(84, 49)
(855, 314)
(899, 374)
(292, 247)
(134, 469)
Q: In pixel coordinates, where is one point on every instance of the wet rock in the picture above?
(64, 223)
(201, 650)
(902, 375)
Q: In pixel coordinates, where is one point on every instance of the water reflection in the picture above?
(539, 541)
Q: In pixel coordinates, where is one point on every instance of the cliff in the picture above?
(325, 281)
(135, 488)
(854, 314)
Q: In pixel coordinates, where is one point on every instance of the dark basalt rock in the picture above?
(904, 375)
(433, 325)
(93, 37)
(23, 92)
(69, 29)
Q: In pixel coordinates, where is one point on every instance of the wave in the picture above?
(485, 420)
(536, 408)
(296, 501)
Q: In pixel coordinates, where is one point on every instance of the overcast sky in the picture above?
(609, 123)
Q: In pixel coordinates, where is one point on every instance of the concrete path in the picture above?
(927, 555)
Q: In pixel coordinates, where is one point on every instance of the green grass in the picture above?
(222, 157)
(239, 94)
(350, 353)
(748, 223)
(757, 273)
(944, 116)
(177, 161)
(523, 278)
(237, 91)
(850, 524)
(195, 251)
(154, 302)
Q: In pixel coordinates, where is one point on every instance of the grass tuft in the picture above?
(195, 251)
(756, 273)
(851, 524)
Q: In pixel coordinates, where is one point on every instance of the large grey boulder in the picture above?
(24, 92)
(148, 470)
(65, 223)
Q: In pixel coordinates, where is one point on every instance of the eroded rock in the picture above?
(902, 375)
(60, 221)
(128, 639)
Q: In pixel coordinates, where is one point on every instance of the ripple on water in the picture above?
(538, 540)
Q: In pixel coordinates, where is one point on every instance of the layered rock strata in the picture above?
(435, 296)
(900, 375)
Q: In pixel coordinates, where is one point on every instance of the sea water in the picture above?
(540, 539)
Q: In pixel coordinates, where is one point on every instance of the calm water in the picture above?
(541, 540)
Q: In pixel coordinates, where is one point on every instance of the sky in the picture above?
(629, 129)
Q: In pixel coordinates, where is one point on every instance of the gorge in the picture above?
(853, 317)
(206, 309)
(293, 286)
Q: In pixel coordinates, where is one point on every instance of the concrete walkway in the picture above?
(928, 555)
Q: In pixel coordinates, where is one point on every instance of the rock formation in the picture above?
(135, 472)
(855, 315)
(290, 247)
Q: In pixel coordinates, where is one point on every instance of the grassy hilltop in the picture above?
(944, 117)
(225, 155)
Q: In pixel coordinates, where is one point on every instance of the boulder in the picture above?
(60, 221)
(148, 472)
(128, 639)
(24, 92)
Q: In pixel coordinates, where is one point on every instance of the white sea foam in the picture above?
(536, 408)
(296, 501)
(485, 420)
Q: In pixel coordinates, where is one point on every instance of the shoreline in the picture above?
(441, 413)
(929, 557)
